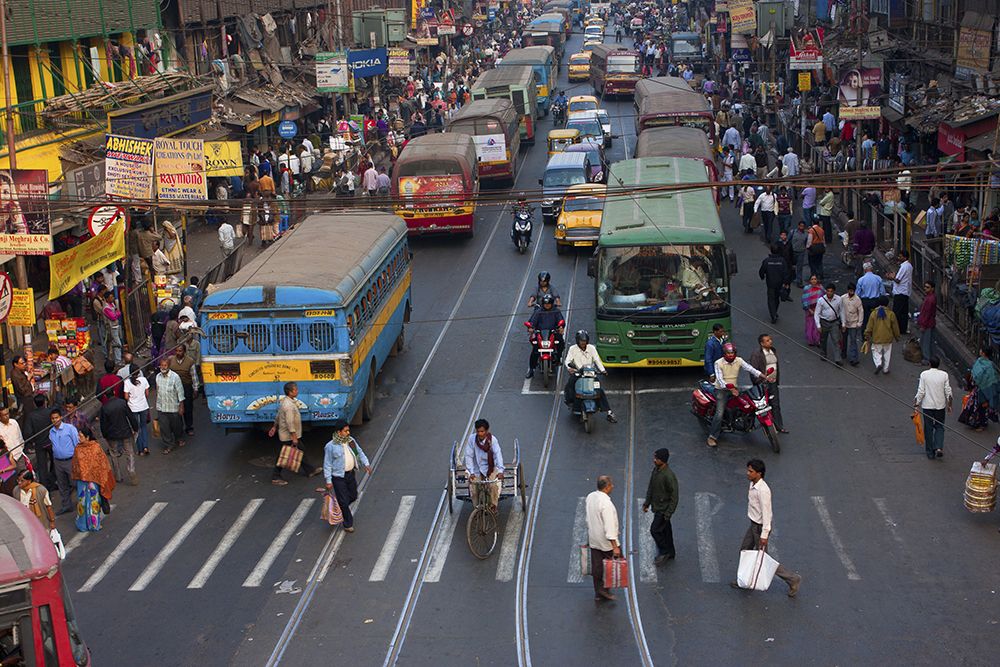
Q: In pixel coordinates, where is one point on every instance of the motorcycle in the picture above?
(548, 357)
(587, 391)
(520, 232)
(744, 412)
(558, 115)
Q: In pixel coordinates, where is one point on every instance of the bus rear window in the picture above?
(623, 64)
(419, 167)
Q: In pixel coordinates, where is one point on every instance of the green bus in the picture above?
(661, 266)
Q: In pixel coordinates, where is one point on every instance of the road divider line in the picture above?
(708, 559)
(574, 574)
(127, 543)
(647, 547)
(256, 576)
(227, 542)
(171, 546)
(442, 543)
(392, 539)
(508, 548)
(838, 546)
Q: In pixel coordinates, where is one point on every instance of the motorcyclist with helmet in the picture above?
(580, 355)
(546, 318)
(544, 287)
(727, 375)
(559, 105)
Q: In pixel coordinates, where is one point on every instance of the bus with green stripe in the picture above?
(661, 268)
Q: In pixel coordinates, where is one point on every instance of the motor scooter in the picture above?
(587, 392)
(520, 232)
(743, 413)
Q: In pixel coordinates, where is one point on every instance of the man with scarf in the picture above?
(484, 461)
(341, 458)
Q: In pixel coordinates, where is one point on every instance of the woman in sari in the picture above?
(810, 296)
(172, 248)
(984, 393)
(94, 484)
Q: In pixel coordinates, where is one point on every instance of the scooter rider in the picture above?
(544, 287)
(727, 374)
(546, 318)
(580, 355)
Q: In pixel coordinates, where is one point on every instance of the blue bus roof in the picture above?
(323, 260)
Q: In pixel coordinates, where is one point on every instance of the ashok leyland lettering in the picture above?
(324, 307)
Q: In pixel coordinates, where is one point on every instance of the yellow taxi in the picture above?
(579, 222)
(581, 103)
(594, 20)
(579, 66)
(560, 139)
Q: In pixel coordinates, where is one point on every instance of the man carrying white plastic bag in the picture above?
(757, 569)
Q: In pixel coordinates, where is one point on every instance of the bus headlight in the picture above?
(609, 339)
(695, 333)
(630, 333)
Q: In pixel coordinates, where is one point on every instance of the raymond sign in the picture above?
(22, 308)
(223, 158)
(180, 169)
(24, 219)
(742, 17)
(68, 268)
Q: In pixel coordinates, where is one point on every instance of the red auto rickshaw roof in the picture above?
(26, 552)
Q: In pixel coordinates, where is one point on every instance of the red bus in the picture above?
(435, 182)
(614, 69)
(669, 100)
(35, 609)
(494, 126)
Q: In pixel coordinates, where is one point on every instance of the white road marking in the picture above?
(526, 386)
(891, 524)
(171, 546)
(439, 552)
(706, 506)
(574, 575)
(838, 545)
(127, 542)
(680, 390)
(392, 539)
(75, 541)
(508, 548)
(228, 540)
(647, 546)
(267, 560)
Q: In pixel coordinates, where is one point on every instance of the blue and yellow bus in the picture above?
(324, 307)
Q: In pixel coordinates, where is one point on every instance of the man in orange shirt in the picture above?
(266, 185)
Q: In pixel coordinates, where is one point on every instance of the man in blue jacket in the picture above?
(713, 350)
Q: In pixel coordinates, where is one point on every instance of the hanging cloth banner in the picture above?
(68, 268)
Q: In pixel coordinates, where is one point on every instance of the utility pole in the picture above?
(861, 26)
(20, 269)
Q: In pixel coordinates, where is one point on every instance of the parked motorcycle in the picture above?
(520, 232)
(546, 344)
(744, 412)
(587, 391)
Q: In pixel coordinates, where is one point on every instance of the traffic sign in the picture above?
(467, 30)
(104, 216)
(6, 296)
(287, 129)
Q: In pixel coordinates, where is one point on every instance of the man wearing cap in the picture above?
(662, 495)
(341, 457)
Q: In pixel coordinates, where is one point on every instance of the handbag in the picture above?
(866, 347)
(57, 542)
(585, 560)
(615, 573)
(756, 570)
(817, 249)
(918, 426)
(330, 512)
(290, 458)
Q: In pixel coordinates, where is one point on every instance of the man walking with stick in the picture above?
(662, 495)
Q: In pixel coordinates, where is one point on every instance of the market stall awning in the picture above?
(982, 143)
(891, 115)
(241, 114)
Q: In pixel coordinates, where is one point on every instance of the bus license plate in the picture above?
(664, 362)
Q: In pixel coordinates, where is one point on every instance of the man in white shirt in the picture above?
(790, 164)
(227, 238)
(602, 533)
(766, 205)
(902, 282)
(760, 515)
(748, 163)
(727, 373)
(370, 180)
(934, 399)
(577, 357)
(10, 433)
(484, 462)
(830, 320)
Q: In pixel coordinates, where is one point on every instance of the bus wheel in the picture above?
(368, 402)
(397, 347)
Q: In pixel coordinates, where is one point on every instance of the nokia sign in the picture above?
(367, 62)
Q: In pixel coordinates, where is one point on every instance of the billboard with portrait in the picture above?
(24, 218)
(860, 93)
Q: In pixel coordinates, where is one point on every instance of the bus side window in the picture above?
(357, 317)
(350, 327)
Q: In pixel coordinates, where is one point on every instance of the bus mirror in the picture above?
(592, 266)
(731, 256)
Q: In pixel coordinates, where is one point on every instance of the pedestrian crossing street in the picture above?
(714, 540)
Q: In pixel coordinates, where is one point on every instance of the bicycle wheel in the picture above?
(481, 532)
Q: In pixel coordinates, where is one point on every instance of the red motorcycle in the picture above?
(547, 348)
(743, 413)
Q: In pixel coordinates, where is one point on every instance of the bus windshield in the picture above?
(623, 64)
(653, 279)
(685, 48)
(563, 178)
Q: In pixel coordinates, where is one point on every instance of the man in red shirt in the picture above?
(110, 384)
(927, 321)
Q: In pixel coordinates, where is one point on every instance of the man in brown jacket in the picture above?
(23, 388)
(288, 427)
(765, 360)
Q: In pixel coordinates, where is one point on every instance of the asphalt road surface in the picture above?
(207, 563)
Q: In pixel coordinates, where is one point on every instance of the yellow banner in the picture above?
(805, 82)
(223, 158)
(22, 308)
(68, 268)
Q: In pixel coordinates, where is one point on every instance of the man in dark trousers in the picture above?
(119, 426)
(774, 271)
(36, 426)
(662, 497)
